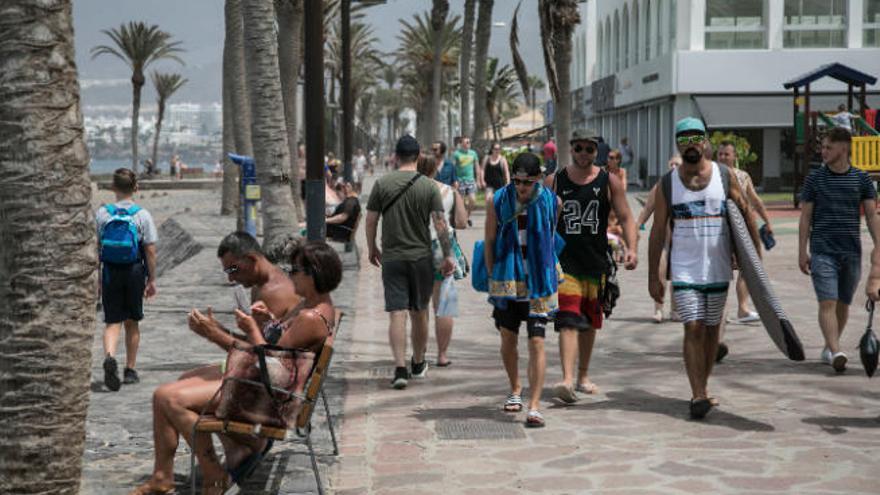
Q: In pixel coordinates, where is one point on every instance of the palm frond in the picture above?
(518, 64)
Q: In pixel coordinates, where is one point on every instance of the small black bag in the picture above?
(869, 348)
(610, 289)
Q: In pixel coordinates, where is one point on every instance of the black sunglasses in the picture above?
(524, 182)
(589, 149)
(231, 269)
(294, 269)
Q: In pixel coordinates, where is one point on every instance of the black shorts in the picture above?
(514, 314)
(122, 292)
(408, 284)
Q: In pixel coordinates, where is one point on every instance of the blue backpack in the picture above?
(119, 239)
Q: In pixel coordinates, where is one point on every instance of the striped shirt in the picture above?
(836, 200)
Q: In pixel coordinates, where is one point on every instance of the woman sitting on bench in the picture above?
(315, 271)
(341, 223)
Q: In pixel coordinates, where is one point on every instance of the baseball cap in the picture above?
(689, 124)
(582, 134)
(407, 146)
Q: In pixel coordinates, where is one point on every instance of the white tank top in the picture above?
(700, 257)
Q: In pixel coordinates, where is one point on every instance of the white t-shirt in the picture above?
(360, 163)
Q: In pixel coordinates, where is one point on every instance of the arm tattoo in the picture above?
(442, 232)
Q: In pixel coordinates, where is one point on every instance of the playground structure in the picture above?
(865, 152)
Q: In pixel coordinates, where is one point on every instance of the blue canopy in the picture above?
(836, 70)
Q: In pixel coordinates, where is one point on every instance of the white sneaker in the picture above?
(658, 316)
(825, 356)
(838, 361)
(751, 317)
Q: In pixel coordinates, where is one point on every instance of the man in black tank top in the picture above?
(588, 194)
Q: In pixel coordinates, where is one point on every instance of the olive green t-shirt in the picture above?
(405, 233)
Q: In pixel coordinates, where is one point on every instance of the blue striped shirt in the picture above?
(836, 200)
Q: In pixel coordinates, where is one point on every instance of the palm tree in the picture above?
(439, 11)
(49, 262)
(166, 85)
(138, 45)
(290, 54)
(464, 71)
(268, 126)
(484, 28)
(558, 20)
(501, 94)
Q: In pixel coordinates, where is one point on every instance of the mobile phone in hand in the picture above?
(766, 237)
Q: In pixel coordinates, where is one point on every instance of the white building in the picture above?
(639, 65)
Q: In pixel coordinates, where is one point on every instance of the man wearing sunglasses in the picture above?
(588, 194)
(700, 257)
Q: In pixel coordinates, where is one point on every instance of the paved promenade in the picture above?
(782, 427)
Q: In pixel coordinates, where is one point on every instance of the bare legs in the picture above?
(442, 328)
(397, 335)
(700, 348)
(132, 340)
(833, 316)
(577, 346)
(536, 370)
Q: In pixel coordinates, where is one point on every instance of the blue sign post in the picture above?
(250, 191)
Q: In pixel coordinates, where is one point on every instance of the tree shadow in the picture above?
(834, 425)
(488, 413)
(641, 401)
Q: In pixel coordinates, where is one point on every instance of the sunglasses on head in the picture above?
(579, 148)
(694, 139)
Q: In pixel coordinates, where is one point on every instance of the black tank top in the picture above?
(583, 224)
(493, 174)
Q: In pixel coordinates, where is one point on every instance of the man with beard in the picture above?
(693, 199)
(588, 194)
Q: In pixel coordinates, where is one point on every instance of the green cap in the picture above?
(689, 124)
(582, 134)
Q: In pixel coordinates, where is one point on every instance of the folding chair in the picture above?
(302, 430)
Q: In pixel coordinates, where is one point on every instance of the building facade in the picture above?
(639, 65)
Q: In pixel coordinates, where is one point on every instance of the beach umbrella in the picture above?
(869, 348)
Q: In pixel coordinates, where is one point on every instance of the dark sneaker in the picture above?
(722, 352)
(111, 374)
(419, 370)
(130, 376)
(401, 378)
(700, 408)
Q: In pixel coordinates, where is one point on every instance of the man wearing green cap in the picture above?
(692, 198)
(588, 193)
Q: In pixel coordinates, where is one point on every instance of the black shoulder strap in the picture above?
(401, 192)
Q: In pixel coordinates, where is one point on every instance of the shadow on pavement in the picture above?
(837, 425)
(645, 402)
(472, 412)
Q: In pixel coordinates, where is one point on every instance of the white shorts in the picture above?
(698, 305)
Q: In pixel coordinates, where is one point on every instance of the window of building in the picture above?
(636, 29)
(673, 25)
(735, 24)
(872, 23)
(658, 42)
(815, 24)
(609, 65)
(648, 30)
(600, 62)
(615, 42)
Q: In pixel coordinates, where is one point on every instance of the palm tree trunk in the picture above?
(137, 84)
(464, 71)
(240, 98)
(159, 118)
(49, 261)
(290, 40)
(230, 196)
(562, 108)
(435, 117)
(484, 28)
(268, 129)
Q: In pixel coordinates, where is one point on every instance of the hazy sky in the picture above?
(199, 25)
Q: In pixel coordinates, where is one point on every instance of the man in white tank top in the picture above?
(700, 253)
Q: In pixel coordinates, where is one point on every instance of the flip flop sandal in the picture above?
(443, 365)
(589, 390)
(534, 419)
(565, 393)
(149, 488)
(513, 403)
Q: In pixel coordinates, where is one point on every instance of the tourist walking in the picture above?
(494, 173)
(127, 236)
(588, 195)
(692, 199)
(358, 169)
(445, 167)
(454, 210)
(466, 161)
(830, 202)
(549, 150)
(407, 201)
(523, 269)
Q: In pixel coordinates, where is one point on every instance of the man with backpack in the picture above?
(588, 194)
(406, 200)
(127, 243)
(692, 198)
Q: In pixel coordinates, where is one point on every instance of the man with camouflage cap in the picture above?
(588, 195)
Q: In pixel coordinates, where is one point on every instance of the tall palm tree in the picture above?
(166, 85)
(558, 21)
(464, 71)
(502, 93)
(239, 104)
(439, 11)
(138, 45)
(484, 29)
(49, 262)
(290, 55)
(229, 195)
(268, 126)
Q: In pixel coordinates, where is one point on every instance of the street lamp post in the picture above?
(314, 113)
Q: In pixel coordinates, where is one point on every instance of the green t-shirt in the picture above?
(465, 164)
(405, 232)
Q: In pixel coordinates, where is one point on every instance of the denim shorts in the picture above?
(836, 276)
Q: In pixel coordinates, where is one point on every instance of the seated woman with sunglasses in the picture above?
(315, 272)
